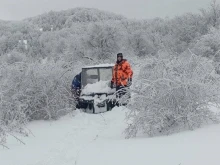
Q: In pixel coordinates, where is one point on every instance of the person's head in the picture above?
(119, 57)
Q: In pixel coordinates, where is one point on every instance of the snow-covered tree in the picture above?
(173, 94)
(103, 40)
(209, 45)
(212, 14)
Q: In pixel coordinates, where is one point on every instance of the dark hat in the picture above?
(119, 55)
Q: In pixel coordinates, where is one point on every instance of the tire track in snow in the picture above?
(67, 150)
(93, 140)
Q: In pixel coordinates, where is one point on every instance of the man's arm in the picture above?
(128, 70)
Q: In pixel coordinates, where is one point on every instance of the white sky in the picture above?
(139, 9)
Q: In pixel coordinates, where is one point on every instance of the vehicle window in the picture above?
(92, 76)
(105, 74)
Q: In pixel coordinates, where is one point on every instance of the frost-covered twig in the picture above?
(17, 138)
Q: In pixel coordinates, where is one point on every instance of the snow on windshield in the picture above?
(93, 75)
(98, 87)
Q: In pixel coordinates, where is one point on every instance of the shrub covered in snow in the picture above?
(37, 89)
(208, 45)
(32, 91)
(2, 136)
(173, 94)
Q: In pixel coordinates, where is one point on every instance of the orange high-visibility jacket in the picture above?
(121, 73)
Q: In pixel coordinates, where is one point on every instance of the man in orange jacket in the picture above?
(122, 74)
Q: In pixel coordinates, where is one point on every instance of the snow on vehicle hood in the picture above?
(98, 87)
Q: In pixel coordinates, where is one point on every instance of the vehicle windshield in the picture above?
(93, 75)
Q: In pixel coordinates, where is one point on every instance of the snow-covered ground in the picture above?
(97, 139)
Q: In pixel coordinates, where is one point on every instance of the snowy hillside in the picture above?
(67, 18)
(98, 139)
(176, 66)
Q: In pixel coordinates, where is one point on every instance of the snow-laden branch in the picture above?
(173, 95)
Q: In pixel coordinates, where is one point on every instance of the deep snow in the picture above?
(98, 139)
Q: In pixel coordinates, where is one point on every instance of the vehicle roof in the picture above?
(99, 66)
